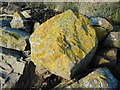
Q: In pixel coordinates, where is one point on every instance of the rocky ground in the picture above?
(20, 34)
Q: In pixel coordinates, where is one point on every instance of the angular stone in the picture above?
(100, 78)
(13, 78)
(20, 22)
(13, 38)
(113, 39)
(12, 63)
(10, 70)
(17, 21)
(102, 27)
(64, 44)
(26, 13)
(19, 67)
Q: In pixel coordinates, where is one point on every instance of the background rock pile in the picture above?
(45, 45)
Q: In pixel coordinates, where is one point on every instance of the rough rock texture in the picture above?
(113, 39)
(17, 21)
(102, 27)
(64, 44)
(20, 22)
(11, 68)
(100, 78)
(13, 38)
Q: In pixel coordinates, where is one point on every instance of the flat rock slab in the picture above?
(64, 44)
(13, 38)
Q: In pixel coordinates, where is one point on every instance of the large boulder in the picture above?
(64, 44)
(100, 78)
(13, 38)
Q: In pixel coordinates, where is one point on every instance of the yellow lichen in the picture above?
(63, 41)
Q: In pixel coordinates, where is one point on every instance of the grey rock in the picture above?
(11, 62)
(19, 21)
(113, 40)
(4, 65)
(10, 70)
(13, 78)
(19, 67)
(26, 13)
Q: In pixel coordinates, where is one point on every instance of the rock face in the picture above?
(11, 69)
(13, 38)
(64, 44)
(100, 78)
(113, 39)
(101, 26)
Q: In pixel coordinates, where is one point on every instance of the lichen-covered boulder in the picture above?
(13, 38)
(101, 26)
(64, 44)
(100, 78)
(113, 40)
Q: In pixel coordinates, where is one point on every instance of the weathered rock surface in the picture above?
(102, 27)
(13, 38)
(20, 22)
(113, 39)
(10, 70)
(100, 78)
(64, 44)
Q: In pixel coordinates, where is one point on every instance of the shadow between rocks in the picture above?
(29, 79)
(81, 70)
(12, 52)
